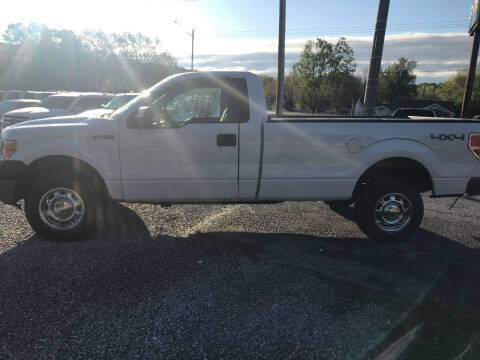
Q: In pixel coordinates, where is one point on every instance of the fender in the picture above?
(99, 153)
(404, 149)
(401, 148)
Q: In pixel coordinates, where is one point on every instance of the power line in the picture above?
(453, 24)
(368, 27)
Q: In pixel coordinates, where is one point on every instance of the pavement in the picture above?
(283, 281)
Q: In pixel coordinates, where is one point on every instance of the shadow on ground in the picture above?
(123, 277)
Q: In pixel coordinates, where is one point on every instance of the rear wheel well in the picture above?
(405, 170)
(52, 164)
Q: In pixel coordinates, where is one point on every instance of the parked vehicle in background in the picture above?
(21, 94)
(207, 138)
(406, 113)
(9, 105)
(39, 95)
(57, 105)
(117, 102)
(13, 94)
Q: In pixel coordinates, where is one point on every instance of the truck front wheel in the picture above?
(60, 207)
(389, 212)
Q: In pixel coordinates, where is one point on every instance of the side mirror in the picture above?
(141, 119)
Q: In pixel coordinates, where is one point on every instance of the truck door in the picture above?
(188, 148)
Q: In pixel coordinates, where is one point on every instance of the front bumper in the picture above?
(10, 174)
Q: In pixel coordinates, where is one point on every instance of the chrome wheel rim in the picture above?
(393, 212)
(61, 209)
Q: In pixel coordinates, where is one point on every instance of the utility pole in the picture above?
(471, 75)
(370, 100)
(281, 56)
(193, 44)
(191, 34)
(475, 32)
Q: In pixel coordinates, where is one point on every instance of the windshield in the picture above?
(133, 104)
(5, 107)
(58, 102)
(140, 100)
(119, 100)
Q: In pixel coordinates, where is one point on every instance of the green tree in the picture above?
(325, 76)
(289, 94)
(397, 81)
(15, 34)
(427, 91)
(62, 60)
(270, 90)
(453, 90)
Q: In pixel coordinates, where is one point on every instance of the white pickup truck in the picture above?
(207, 138)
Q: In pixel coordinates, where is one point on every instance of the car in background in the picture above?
(21, 94)
(117, 102)
(407, 112)
(13, 94)
(39, 95)
(9, 105)
(62, 104)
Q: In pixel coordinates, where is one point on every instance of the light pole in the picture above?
(191, 34)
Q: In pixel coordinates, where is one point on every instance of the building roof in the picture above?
(420, 104)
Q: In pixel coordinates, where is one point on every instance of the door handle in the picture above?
(226, 140)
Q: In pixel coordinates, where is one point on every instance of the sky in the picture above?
(242, 35)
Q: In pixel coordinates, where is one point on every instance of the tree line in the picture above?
(91, 61)
(323, 80)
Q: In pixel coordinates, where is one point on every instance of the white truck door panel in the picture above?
(188, 149)
(180, 164)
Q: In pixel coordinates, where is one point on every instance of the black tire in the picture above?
(373, 196)
(64, 180)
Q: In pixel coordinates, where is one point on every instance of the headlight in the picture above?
(7, 148)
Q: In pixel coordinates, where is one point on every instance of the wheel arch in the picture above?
(402, 169)
(49, 164)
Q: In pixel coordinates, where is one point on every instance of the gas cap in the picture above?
(354, 145)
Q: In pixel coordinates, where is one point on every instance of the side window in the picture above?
(206, 101)
(196, 104)
(239, 103)
(199, 105)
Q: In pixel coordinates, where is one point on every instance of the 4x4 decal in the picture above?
(449, 137)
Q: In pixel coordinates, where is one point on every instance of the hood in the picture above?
(67, 126)
(54, 121)
(37, 112)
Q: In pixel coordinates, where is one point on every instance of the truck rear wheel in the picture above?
(60, 207)
(389, 212)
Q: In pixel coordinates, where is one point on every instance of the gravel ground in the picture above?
(292, 280)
